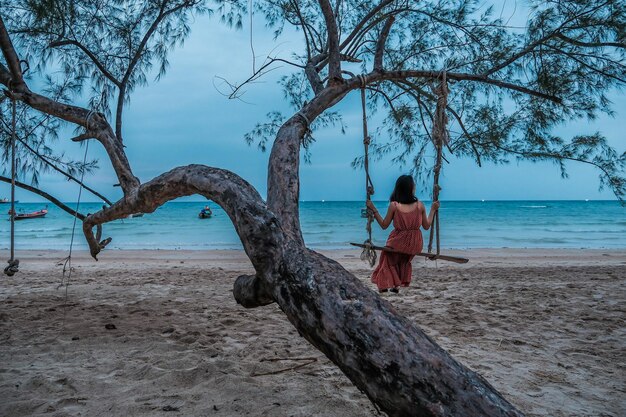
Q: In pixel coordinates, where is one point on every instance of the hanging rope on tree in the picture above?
(14, 264)
(368, 254)
(67, 262)
(440, 138)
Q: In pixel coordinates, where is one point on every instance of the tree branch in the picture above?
(589, 44)
(584, 64)
(380, 46)
(314, 78)
(404, 74)
(554, 33)
(334, 60)
(91, 56)
(363, 22)
(529, 48)
(467, 135)
(304, 29)
(135, 59)
(45, 195)
(11, 57)
(93, 122)
(257, 227)
(5, 75)
(62, 172)
(90, 120)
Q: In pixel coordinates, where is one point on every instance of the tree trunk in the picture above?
(396, 364)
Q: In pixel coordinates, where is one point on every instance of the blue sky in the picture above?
(184, 119)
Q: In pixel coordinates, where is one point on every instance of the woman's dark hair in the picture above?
(403, 191)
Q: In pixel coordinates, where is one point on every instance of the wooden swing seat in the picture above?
(431, 256)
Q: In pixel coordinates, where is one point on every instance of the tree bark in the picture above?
(395, 363)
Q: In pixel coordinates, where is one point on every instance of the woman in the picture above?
(408, 215)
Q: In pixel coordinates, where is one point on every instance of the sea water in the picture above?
(333, 224)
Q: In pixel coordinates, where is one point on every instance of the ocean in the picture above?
(333, 224)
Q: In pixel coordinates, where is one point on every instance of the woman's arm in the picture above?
(427, 221)
(384, 223)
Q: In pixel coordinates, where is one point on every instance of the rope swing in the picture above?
(67, 262)
(13, 264)
(368, 254)
(440, 138)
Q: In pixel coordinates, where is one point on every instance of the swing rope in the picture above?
(440, 137)
(368, 254)
(67, 262)
(13, 266)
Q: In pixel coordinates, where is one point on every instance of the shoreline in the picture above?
(484, 257)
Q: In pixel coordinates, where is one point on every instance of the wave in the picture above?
(583, 231)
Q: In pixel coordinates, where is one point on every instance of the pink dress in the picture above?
(394, 269)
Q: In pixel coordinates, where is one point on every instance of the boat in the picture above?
(6, 201)
(31, 215)
(205, 213)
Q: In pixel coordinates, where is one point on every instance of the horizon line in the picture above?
(333, 201)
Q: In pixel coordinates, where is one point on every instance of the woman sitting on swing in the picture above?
(408, 215)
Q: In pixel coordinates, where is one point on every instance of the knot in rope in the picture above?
(440, 133)
(362, 80)
(12, 268)
(368, 254)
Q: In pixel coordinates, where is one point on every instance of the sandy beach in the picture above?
(146, 333)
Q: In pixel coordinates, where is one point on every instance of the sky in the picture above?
(185, 118)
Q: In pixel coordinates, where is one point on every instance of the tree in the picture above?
(508, 90)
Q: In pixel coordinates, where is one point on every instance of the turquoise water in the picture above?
(331, 225)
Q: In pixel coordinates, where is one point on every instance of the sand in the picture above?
(150, 333)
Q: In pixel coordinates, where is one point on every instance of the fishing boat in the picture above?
(31, 215)
(5, 201)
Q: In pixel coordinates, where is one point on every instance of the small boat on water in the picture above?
(205, 213)
(31, 215)
(6, 201)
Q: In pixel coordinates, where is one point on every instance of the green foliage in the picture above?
(571, 50)
(266, 131)
(100, 49)
(105, 45)
(35, 135)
